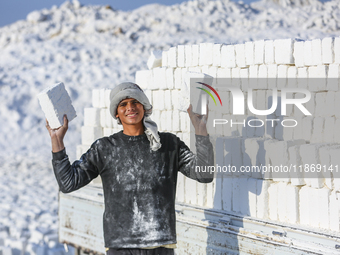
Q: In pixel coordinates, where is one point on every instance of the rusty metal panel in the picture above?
(199, 231)
(81, 219)
(206, 231)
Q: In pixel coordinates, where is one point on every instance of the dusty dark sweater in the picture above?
(139, 184)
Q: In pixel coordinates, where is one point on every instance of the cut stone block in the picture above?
(202, 54)
(175, 94)
(333, 77)
(233, 152)
(326, 154)
(269, 52)
(327, 50)
(335, 165)
(92, 117)
(307, 125)
(148, 94)
(176, 123)
(167, 100)
(282, 74)
(322, 218)
(259, 52)
(172, 57)
(228, 56)
(90, 134)
(223, 77)
(181, 56)
(240, 55)
(184, 122)
(297, 112)
(143, 78)
(217, 54)
(169, 77)
(164, 58)
(282, 201)
(329, 130)
(159, 78)
(292, 204)
(310, 105)
(248, 196)
(55, 103)
(272, 75)
(195, 55)
(178, 78)
(310, 158)
(190, 191)
(262, 186)
(107, 131)
(307, 53)
(102, 94)
(96, 98)
(296, 176)
(236, 200)
(155, 59)
(337, 50)
(284, 51)
(337, 103)
(305, 199)
(273, 201)
(254, 152)
(212, 71)
(317, 52)
(302, 76)
(298, 130)
(337, 133)
(249, 52)
(244, 75)
(277, 156)
(253, 75)
(156, 116)
(227, 193)
(163, 121)
(201, 193)
(188, 55)
(317, 78)
(169, 120)
(285, 133)
(263, 72)
(292, 73)
(107, 100)
(206, 54)
(236, 77)
(318, 130)
(298, 53)
(334, 208)
(320, 104)
(158, 96)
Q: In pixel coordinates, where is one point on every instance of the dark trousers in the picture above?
(137, 251)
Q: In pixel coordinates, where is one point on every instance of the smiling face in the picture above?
(130, 112)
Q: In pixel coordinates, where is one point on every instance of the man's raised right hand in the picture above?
(57, 135)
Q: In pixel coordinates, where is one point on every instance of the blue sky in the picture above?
(13, 10)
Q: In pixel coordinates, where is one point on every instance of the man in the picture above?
(138, 167)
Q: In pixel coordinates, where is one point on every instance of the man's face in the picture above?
(130, 112)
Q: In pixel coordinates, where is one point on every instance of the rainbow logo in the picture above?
(207, 91)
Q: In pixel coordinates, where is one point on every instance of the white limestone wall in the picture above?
(294, 199)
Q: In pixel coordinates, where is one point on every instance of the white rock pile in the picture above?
(29, 207)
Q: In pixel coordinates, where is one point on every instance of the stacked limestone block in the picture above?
(291, 197)
(98, 121)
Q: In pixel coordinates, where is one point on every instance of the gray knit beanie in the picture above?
(131, 90)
